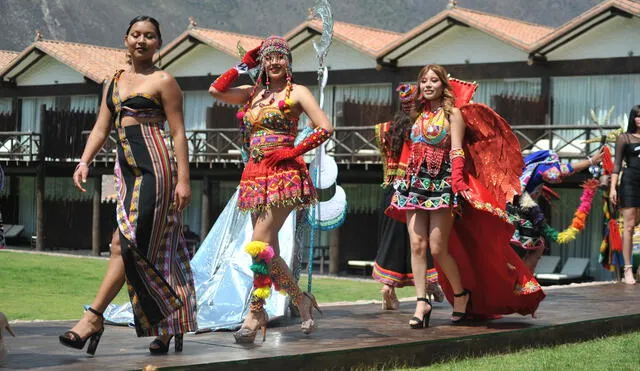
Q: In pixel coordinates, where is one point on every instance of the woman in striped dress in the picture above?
(152, 181)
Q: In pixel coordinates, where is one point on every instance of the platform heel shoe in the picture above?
(426, 317)
(389, 299)
(73, 340)
(248, 336)
(158, 347)
(310, 325)
(458, 317)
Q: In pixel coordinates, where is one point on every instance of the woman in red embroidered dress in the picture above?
(479, 277)
(275, 180)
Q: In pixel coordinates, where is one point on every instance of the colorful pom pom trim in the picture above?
(579, 217)
(261, 254)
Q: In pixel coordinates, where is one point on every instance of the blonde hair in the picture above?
(448, 101)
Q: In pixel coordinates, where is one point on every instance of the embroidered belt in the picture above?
(260, 145)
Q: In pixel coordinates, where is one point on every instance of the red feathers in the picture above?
(493, 152)
(607, 161)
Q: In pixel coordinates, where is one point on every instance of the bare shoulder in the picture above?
(164, 77)
(455, 111)
(300, 89)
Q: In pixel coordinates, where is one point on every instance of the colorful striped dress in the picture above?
(156, 258)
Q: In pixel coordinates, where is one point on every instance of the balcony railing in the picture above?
(349, 145)
(19, 146)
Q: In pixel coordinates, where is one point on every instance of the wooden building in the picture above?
(545, 81)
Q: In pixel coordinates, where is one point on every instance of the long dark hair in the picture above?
(398, 132)
(635, 112)
(145, 18)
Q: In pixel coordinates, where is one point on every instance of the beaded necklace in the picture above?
(432, 126)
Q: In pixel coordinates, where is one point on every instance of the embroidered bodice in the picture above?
(543, 167)
(139, 105)
(430, 142)
(268, 129)
(430, 128)
(271, 120)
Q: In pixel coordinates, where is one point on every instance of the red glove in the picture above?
(225, 80)
(407, 94)
(251, 57)
(249, 61)
(458, 184)
(316, 138)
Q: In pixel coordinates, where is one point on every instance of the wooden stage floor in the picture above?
(348, 336)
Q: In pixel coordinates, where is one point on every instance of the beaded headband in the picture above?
(275, 44)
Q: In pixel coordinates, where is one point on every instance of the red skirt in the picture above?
(286, 184)
(480, 244)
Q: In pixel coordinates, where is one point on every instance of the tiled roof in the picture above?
(221, 40)
(630, 6)
(366, 39)
(6, 56)
(227, 41)
(517, 33)
(97, 63)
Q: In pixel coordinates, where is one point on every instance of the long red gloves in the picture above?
(317, 137)
(458, 184)
(225, 80)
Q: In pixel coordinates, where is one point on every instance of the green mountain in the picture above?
(103, 22)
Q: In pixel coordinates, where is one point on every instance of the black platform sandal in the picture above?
(424, 321)
(73, 340)
(461, 316)
(158, 347)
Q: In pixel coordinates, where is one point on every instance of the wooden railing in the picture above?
(19, 146)
(357, 144)
(349, 145)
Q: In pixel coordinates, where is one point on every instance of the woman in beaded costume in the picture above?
(480, 278)
(540, 168)
(626, 195)
(275, 180)
(392, 266)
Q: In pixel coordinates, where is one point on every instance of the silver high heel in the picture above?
(247, 336)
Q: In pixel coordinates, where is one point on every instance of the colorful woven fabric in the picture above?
(155, 255)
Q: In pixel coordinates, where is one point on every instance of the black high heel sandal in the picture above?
(158, 347)
(462, 315)
(424, 321)
(73, 340)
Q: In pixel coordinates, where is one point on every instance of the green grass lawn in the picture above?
(56, 287)
(611, 353)
(49, 287)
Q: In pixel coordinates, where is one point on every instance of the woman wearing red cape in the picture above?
(475, 181)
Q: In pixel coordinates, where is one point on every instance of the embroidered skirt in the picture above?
(156, 258)
(526, 236)
(424, 192)
(286, 184)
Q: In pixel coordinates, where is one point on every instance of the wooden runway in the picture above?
(348, 336)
